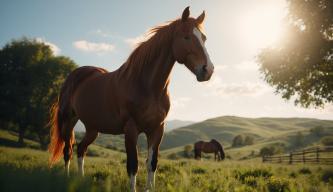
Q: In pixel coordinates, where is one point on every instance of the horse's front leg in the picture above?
(154, 139)
(131, 137)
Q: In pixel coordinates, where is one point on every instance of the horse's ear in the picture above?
(186, 13)
(201, 18)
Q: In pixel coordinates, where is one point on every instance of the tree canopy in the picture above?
(30, 79)
(300, 67)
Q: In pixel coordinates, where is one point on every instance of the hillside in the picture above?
(265, 130)
(169, 125)
(227, 127)
(117, 141)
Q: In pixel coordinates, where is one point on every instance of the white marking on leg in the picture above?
(133, 183)
(151, 174)
(197, 33)
(67, 167)
(80, 162)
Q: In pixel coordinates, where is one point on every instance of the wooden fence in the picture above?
(319, 154)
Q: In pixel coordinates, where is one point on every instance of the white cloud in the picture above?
(93, 47)
(180, 102)
(133, 42)
(242, 89)
(177, 104)
(214, 82)
(55, 49)
(102, 33)
(247, 65)
(220, 67)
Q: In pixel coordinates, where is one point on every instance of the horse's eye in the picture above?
(187, 38)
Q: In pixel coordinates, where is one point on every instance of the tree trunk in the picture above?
(42, 141)
(21, 136)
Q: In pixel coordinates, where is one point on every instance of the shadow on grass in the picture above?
(41, 179)
(9, 143)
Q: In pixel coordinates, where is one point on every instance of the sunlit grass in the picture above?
(29, 168)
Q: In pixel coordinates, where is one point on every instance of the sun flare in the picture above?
(261, 26)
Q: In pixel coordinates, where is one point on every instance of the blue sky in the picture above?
(103, 33)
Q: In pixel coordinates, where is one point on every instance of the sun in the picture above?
(261, 26)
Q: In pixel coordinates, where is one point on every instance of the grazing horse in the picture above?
(212, 146)
(131, 100)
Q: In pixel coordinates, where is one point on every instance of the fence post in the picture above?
(317, 154)
(291, 158)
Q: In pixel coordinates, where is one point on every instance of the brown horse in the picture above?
(131, 100)
(212, 146)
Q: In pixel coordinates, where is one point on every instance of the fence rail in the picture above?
(319, 154)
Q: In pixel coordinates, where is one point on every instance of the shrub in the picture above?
(199, 170)
(304, 170)
(173, 156)
(238, 141)
(188, 151)
(327, 176)
(318, 131)
(273, 149)
(242, 175)
(293, 174)
(277, 184)
(299, 139)
(249, 140)
(327, 140)
(100, 175)
(92, 153)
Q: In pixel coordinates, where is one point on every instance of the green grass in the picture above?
(26, 169)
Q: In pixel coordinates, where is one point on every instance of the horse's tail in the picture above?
(61, 117)
(56, 141)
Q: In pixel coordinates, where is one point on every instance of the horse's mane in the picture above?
(146, 51)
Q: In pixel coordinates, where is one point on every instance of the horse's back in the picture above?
(95, 101)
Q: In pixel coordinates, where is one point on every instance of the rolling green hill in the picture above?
(266, 131)
(263, 130)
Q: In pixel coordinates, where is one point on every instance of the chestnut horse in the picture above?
(212, 146)
(132, 99)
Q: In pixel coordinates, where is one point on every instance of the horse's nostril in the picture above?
(204, 68)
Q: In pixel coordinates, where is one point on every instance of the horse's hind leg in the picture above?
(88, 138)
(69, 141)
(154, 140)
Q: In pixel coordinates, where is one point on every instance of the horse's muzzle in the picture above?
(205, 72)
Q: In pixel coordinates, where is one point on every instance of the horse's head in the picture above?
(189, 46)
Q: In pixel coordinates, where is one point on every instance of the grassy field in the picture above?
(26, 169)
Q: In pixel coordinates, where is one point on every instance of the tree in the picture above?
(327, 140)
(188, 150)
(318, 130)
(238, 141)
(30, 78)
(249, 140)
(47, 84)
(299, 139)
(301, 65)
(272, 149)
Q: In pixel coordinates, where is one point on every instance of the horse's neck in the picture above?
(153, 76)
(158, 71)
